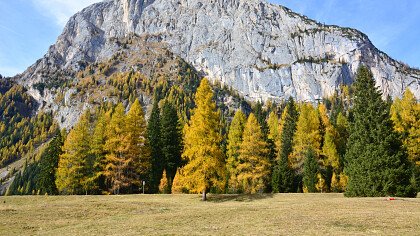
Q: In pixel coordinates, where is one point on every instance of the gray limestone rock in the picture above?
(263, 51)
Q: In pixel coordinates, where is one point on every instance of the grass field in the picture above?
(276, 214)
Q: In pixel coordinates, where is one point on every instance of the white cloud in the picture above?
(61, 10)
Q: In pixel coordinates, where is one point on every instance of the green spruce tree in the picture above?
(310, 172)
(283, 178)
(48, 165)
(154, 137)
(171, 141)
(377, 164)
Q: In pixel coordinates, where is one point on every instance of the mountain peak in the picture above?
(263, 51)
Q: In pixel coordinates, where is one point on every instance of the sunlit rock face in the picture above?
(263, 51)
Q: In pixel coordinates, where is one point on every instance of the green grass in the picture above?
(276, 214)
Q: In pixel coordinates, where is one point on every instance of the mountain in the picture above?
(261, 50)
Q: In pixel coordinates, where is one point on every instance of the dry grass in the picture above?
(277, 214)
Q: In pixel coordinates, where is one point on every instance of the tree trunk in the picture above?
(204, 197)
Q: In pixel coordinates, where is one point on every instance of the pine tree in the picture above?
(48, 165)
(236, 130)
(171, 141)
(283, 178)
(310, 172)
(116, 146)
(155, 140)
(73, 163)
(205, 167)
(254, 164)
(377, 165)
(138, 150)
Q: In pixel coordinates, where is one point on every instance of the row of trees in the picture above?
(114, 152)
(364, 156)
(304, 141)
(368, 150)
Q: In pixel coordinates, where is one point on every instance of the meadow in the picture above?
(271, 214)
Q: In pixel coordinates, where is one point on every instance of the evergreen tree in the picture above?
(154, 137)
(377, 164)
(171, 141)
(205, 167)
(310, 172)
(236, 130)
(261, 116)
(48, 165)
(138, 150)
(73, 163)
(25, 182)
(283, 178)
(254, 164)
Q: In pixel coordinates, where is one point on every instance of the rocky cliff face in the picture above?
(262, 50)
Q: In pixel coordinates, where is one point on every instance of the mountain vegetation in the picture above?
(20, 130)
(352, 142)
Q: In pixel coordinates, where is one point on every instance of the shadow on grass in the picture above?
(237, 197)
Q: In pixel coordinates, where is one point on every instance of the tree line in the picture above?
(358, 144)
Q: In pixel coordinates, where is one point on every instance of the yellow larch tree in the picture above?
(205, 166)
(329, 148)
(405, 113)
(117, 146)
(236, 131)
(307, 136)
(163, 186)
(72, 165)
(178, 185)
(254, 164)
(138, 148)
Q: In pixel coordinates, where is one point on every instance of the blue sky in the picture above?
(29, 27)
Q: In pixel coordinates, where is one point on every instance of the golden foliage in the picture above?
(178, 185)
(405, 113)
(163, 186)
(72, 163)
(307, 135)
(205, 167)
(321, 185)
(254, 165)
(233, 148)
